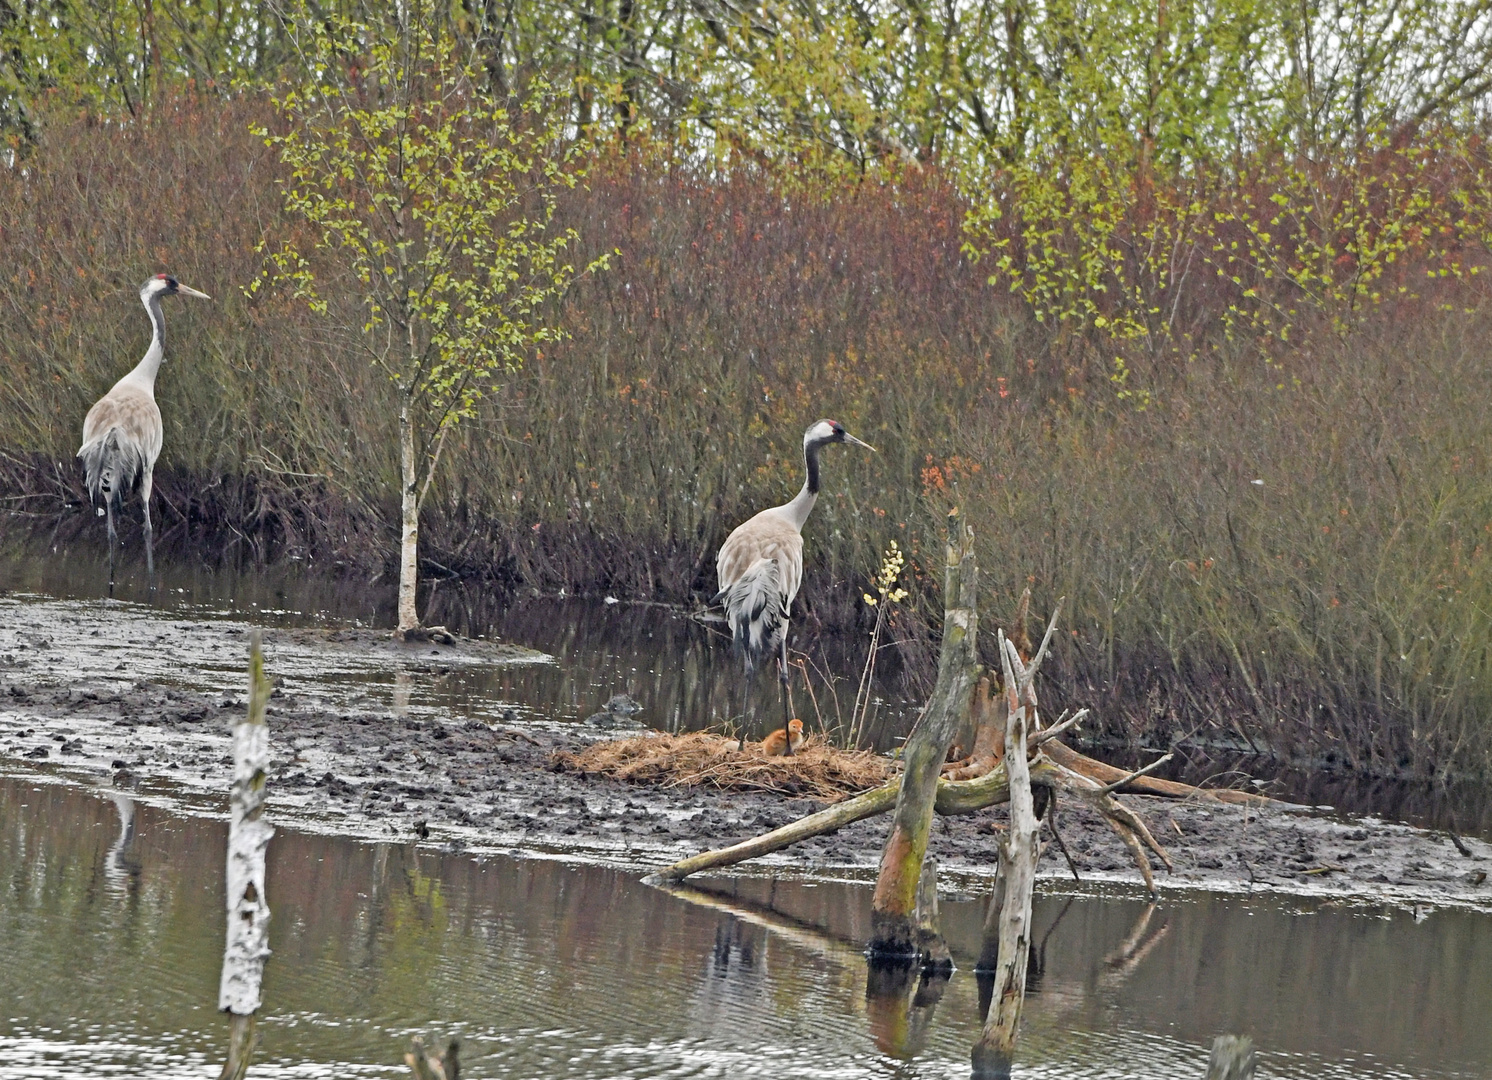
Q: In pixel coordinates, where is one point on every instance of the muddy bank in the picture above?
(486, 785)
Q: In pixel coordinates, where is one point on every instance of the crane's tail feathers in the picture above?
(756, 609)
(110, 465)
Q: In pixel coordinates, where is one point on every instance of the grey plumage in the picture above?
(760, 565)
(763, 562)
(122, 433)
(112, 461)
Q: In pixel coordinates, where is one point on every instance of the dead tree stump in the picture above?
(1232, 1058)
(931, 946)
(893, 928)
(248, 839)
(1017, 875)
(426, 1064)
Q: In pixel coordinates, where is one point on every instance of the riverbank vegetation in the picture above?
(1182, 308)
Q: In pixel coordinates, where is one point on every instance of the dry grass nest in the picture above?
(698, 758)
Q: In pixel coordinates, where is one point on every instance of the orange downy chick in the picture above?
(773, 744)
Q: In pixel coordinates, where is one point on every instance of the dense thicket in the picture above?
(988, 79)
(1212, 367)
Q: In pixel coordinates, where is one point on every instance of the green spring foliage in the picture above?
(429, 206)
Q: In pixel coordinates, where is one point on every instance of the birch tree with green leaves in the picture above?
(431, 202)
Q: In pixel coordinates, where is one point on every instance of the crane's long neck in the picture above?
(802, 503)
(144, 372)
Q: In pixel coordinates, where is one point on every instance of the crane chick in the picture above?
(786, 741)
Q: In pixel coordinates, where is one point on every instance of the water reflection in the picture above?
(900, 1001)
(121, 866)
(548, 969)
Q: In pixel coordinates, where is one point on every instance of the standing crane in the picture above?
(760, 567)
(122, 432)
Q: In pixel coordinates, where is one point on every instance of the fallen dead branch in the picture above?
(950, 797)
(699, 758)
(1097, 770)
(965, 786)
(868, 804)
(1125, 781)
(955, 798)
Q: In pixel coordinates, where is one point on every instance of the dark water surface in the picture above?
(678, 668)
(111, 942)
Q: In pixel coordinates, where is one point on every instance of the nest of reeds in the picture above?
(699, 758)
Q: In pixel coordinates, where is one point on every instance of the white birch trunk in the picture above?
(409, 518)
(248, 839)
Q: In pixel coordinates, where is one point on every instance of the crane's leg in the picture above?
(113, 537)
(145, 485)
(783, 675)
(748, 678)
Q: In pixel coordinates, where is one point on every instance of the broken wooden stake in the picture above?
(1232, 1058)
(248, 840)
(426, 1064)
(995, 1049)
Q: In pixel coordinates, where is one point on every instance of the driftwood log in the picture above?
(893, 927)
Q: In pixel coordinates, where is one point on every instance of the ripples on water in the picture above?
(111, 933)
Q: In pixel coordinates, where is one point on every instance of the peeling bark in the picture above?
(1018, 852)
(247, 944)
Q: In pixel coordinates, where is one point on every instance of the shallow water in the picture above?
(550, 969)
(678, 668)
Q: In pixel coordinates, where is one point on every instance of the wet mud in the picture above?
(108, 695)
(478, 785)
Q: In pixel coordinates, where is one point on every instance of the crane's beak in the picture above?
(856, 442)
(184, 291)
